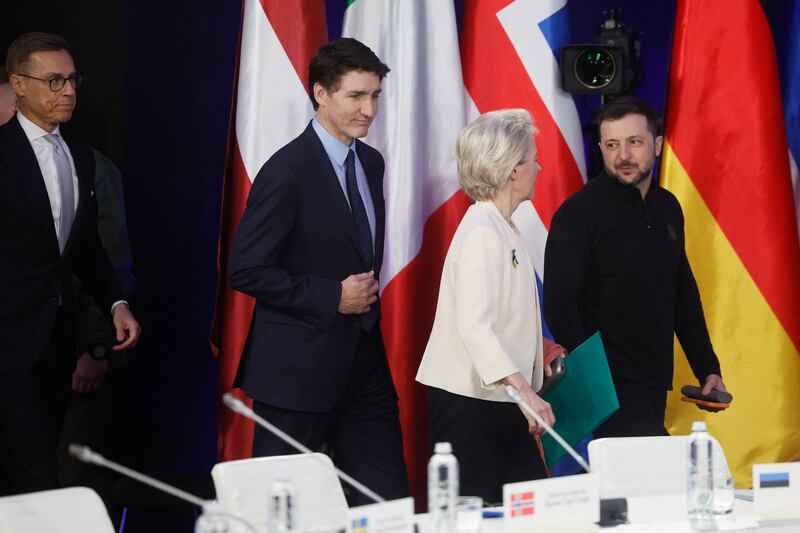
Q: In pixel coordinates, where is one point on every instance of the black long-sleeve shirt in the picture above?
(616, 263)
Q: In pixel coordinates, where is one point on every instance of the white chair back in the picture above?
(55, 511)
(243, 489)
(646, 466)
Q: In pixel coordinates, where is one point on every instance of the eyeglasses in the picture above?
(57, 83)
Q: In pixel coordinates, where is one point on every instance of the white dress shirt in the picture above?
(337, 153)
(488, 324)
(45, 155)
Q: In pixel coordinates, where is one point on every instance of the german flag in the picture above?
(725, 158)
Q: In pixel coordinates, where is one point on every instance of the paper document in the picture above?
(583, 399)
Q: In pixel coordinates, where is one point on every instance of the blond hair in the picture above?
(488, 149)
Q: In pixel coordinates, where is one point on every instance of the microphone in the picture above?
(512, 393)
(237, 406)
(89, 456)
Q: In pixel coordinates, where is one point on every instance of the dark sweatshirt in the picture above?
(616, 263)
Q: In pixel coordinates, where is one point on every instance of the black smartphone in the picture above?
(559, 369)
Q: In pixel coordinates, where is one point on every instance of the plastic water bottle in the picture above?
(724, 486)
(211, 520)
(442, 489)
(280, 513)
(700, 503)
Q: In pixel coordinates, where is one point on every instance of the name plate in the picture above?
(776, 490)
(572, 501)
(395, 516)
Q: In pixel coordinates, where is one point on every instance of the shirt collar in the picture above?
(335, 148)
(630, 190)
(32, 131)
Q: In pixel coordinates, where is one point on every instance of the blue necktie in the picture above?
(66, 190)
(369, 319)
(357, 207)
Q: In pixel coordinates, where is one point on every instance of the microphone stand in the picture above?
(87, 455)
(237, 406)
(512, 393)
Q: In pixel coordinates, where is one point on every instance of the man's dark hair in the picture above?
(3, 75)
(628, 105)
(337, 58)
(19, 52)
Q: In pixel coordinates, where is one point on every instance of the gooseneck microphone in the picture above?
(237, 406)
(87, 455)
(512, 393)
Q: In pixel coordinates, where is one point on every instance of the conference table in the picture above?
(648, 515)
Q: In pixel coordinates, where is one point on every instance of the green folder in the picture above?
(583, 399)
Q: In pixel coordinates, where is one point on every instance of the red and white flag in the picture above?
(271, 107)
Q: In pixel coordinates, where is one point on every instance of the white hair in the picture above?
(488, 150)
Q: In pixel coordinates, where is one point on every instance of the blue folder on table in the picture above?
(583, 399)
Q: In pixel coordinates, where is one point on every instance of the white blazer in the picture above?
(488, 325)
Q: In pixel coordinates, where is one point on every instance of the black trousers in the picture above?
(640, 414)
(490, 441)
(32, 406)
(361, 434)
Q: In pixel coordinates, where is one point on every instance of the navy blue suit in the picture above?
(37, 348)
(316, 372)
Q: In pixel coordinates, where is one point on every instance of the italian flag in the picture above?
(423, 106)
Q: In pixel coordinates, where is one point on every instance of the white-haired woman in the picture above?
(487, 332)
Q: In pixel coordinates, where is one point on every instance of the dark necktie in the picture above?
(66, 190)
(369, 319)
(357, 207)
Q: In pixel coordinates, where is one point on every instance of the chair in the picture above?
(244, 486)
(55, 511)
(646, 466)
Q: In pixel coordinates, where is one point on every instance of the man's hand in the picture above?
(128, 329)
(713, 381)
(89, 373)
(541, 407)
(359, 291)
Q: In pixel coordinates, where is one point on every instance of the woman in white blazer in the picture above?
(487, 331)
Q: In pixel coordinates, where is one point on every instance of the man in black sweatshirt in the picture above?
(615, 262)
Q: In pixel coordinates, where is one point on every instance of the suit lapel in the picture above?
(85, 188)
(334, 189)
(27, 176)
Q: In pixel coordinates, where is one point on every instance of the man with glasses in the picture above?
(48, 230)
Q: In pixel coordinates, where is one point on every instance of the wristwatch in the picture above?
(97, 350)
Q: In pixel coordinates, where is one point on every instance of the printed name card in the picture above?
(572, 501)
(776, 490)
(395, 516)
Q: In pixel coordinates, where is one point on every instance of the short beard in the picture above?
(640, 177)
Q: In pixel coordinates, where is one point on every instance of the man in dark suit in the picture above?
(48, 230)
(309, 249)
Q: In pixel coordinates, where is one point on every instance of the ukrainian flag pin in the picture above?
(514, 258)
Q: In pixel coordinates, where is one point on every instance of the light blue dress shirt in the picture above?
(337, 153)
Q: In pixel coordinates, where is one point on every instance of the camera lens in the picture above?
(594, 68)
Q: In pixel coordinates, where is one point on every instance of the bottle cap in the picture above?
(699, 426)
(443, 447)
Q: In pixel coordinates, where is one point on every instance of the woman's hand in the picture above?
(541, 407)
